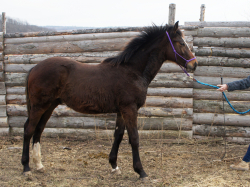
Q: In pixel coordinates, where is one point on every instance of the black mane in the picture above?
(150, 36)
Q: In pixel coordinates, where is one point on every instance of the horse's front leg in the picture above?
(118, 135)
(129, 115)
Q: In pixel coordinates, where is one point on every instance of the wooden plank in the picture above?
(18, 68)
(218, 24)
(225, 131)
(3, 122)
(171, 92)
(115, 44)
(208, 106)
(108, 123)
(174, 102)
(166, 92)
(223, 61)
(3, 112)
(177, 80)
(63, 110)
(64, 38)
(24, 68)
(2, 88)
(4, 131)
(218, 71)
(213, 81)
(100, 133)
(215, 95)
(242, 42)
(73, 32)
(222, 52)
(2, 99)
(81, 57)
(223, 32)
(218, 119)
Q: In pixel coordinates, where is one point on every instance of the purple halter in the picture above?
(175, 52)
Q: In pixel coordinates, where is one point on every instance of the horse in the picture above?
(117, 85)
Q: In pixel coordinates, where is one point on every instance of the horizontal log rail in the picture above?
(223, 52)
(223, 61)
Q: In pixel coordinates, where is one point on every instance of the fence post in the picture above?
(171, 16)
(4, 127)
(202, 13)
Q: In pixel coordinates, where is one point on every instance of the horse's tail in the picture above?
(27, 93)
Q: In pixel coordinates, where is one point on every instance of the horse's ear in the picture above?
(176, 25)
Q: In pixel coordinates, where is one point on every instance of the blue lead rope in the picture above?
(223, 95)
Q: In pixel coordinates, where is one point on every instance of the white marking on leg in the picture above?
(37, 156)
(116, 170)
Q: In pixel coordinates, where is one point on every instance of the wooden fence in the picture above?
(175, 106)
(222, 50)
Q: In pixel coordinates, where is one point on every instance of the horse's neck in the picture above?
(154, 63)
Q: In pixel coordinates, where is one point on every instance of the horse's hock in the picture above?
(175, 106)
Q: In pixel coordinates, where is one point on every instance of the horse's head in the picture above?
(178, 50)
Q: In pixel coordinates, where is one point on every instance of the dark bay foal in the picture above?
(117, 85)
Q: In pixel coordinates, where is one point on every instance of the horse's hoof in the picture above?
(144, 179)
(27, 173)
(116, 171)
(41, 170)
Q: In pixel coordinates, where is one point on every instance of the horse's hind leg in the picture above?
(37, 136)
(119, 132)
(29, 129)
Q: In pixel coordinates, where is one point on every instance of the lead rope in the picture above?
(223, 93)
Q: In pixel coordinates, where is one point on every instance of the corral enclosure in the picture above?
(175, 105)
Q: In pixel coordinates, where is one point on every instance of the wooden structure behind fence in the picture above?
(222, 50)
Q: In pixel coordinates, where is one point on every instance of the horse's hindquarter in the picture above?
(102, 89)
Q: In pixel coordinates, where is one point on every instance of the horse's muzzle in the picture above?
(191, 67)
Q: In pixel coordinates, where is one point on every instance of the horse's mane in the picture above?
(150, 35)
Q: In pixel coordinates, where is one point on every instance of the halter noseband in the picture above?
(175, 52)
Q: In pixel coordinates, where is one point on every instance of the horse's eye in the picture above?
(183, 44)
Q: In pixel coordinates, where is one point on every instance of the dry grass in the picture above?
(86, 164)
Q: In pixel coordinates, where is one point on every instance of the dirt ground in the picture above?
(74, 162)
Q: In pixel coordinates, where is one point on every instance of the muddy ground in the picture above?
(76, 162)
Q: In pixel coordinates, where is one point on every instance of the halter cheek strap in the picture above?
(175, 52)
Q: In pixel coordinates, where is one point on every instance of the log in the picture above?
(215, 71)
(64, 38)
(171, 15)
(174, 102)
(177, 80)
(73, 32)
(208, 106)
(2, 99)
(63, 110)
(218, 119)
(81, 57)
(223, 61)
(215, 95)
(24, 68)
(225, 131)
(108, 123)
(171, 92)
(166, 92)
(222, 52)
(1, 55)
(3, 111)
(219, 32)
(100, 133)
(242, 42)
(3, 122)
(218, 24)
(115, 44)
(4, 131)
(213, 81)
(2, 88)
